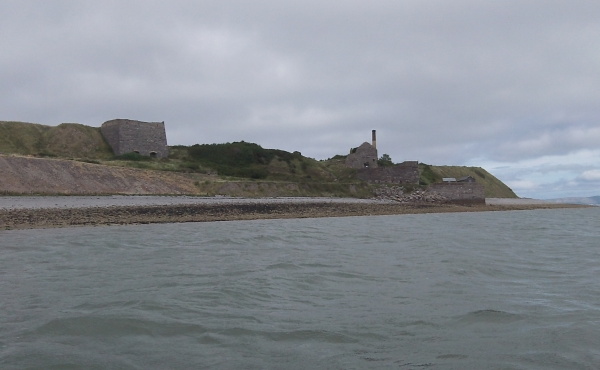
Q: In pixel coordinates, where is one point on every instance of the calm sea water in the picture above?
(494, 290)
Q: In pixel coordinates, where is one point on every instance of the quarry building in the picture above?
(365, 156)
(364, 159)
(130, 136)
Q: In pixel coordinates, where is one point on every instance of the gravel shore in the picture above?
(52, 212)
(516, 201)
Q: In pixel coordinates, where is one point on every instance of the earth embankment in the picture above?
(28, 175)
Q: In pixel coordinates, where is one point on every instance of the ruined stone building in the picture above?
(365, 156)
(364, 160)
(129, 136)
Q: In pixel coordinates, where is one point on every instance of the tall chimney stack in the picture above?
(374, 138)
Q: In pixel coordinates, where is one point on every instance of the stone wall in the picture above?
(459, 192)
(403, 173)
(365, 156)
(127, 136)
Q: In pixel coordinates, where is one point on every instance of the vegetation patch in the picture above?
(428, 175)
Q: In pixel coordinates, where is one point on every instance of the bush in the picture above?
(385, 161)
(238, 159)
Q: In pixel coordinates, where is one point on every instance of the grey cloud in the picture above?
(590, 176)
(442, 82)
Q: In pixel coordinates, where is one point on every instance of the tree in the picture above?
(385, 161)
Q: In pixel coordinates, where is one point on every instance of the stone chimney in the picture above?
(374, 138)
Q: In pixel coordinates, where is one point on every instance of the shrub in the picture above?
(385, 161)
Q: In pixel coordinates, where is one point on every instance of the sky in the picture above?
(512, 86)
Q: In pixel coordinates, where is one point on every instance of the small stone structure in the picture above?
(402, 173)
(365, 156)
(129, 136)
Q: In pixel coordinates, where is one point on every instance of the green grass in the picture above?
(492, 186)
(21, 138)
(67, 140)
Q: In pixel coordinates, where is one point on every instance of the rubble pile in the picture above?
(402, 195)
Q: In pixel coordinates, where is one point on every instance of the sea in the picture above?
(484, 290)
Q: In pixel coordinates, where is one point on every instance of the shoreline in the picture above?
(234, 210)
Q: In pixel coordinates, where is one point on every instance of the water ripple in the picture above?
(489, 290)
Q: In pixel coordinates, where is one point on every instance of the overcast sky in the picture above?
(511, 86)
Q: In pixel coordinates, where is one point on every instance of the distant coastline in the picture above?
(131, 210)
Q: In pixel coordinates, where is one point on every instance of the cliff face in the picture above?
(25, 175)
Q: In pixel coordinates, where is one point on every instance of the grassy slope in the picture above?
(494, 188)
(250, 161)
(67, 140)
(21, 138)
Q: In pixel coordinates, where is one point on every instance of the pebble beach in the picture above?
(71, 211)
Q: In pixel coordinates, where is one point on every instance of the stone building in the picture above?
(365, 156)
(364, 160)
(129, 136)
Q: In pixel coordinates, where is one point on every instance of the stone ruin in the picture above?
(364, 160)
(394, 179)
(365, 156)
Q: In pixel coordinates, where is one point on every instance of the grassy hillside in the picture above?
(68, 140)
(494, 188)
(21, 138)
(230, 162)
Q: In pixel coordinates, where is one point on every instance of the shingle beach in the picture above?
(52, 212)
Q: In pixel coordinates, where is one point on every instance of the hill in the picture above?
(494, 188)
(67, 140)
(238, 168)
